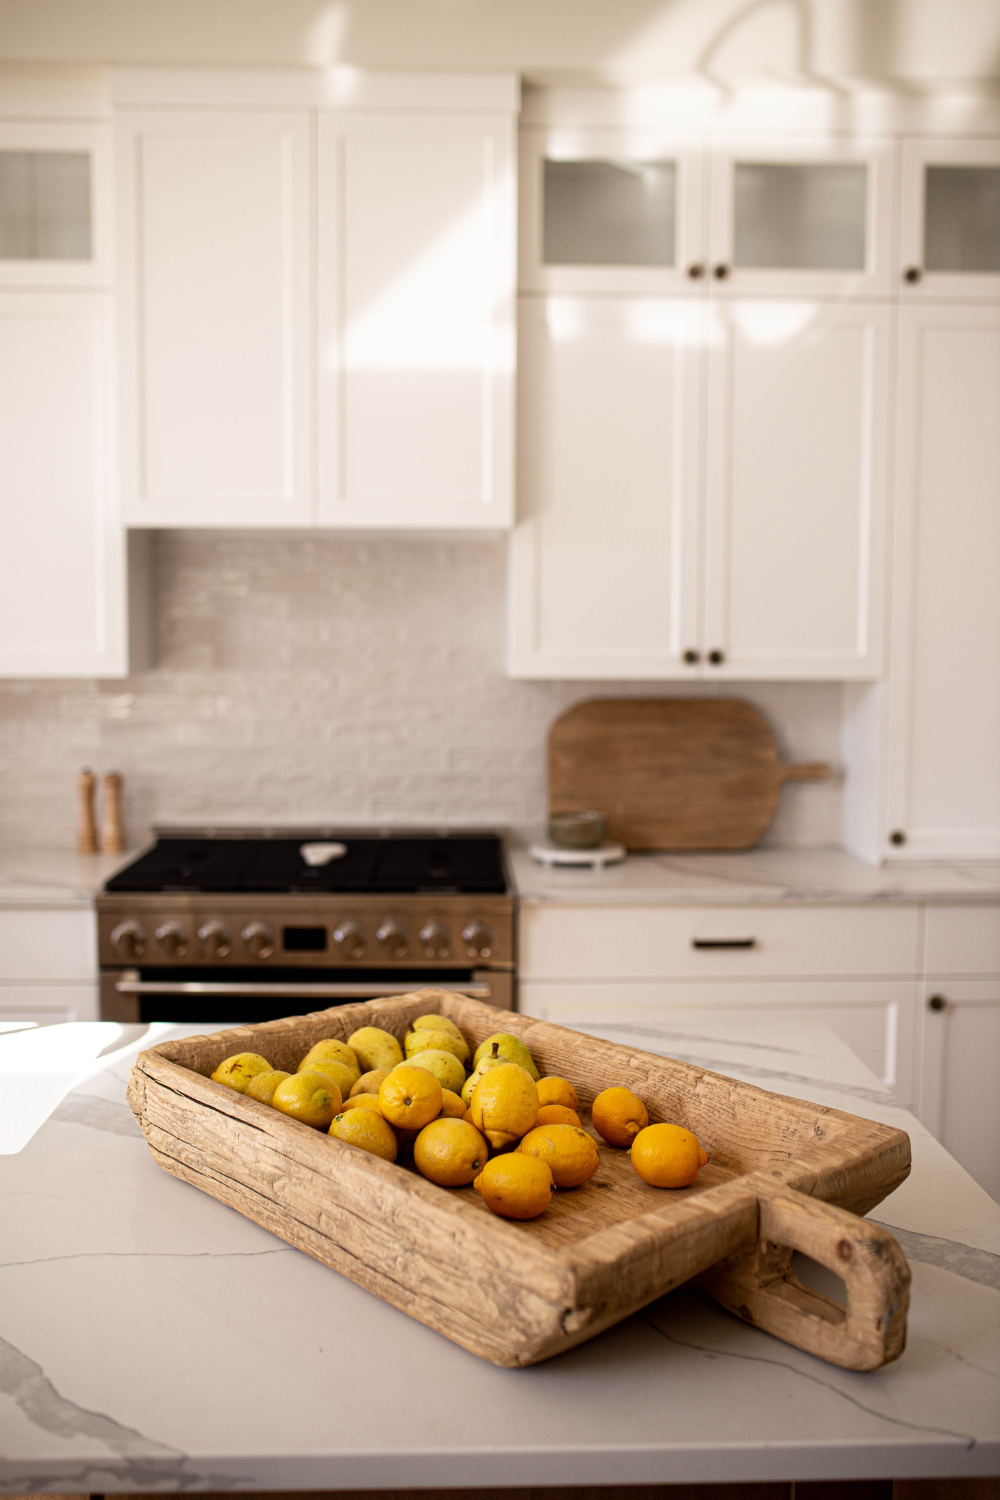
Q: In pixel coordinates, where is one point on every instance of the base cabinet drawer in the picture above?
(963, 940)
(874, 1018)
(745, 942)
(48, 944)
(48, 1004)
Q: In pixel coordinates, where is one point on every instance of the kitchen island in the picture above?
(151, 1338)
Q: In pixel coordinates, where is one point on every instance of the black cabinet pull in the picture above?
(721, 272)
(723, 942)
(696, 271)
(691, 657)
(912, 274)
(716, 658)
(937, 1002)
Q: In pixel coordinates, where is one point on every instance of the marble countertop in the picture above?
(764, 876)
(153, 1339)
(55, 877)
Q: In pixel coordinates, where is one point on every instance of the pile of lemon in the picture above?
(367, 1093)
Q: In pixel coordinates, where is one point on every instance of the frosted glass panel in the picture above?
(962, 219)
(609, 213)
(44, 205)
(800, 216)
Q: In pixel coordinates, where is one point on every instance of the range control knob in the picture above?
(478, 939)
(259, 939)
(129, 940)
(393, 939)
(172, 939)
(350, 940)
(215, 939)
(436, 940)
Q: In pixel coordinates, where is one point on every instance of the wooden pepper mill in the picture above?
(112, 834)
(86, 832)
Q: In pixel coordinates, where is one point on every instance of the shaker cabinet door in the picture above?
(798, 428)
(62, 551)
(416, 276)
(215, 349)
(604, 559)
(949, 237)
(944, 774)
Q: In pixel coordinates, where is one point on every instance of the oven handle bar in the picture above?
(334, 991)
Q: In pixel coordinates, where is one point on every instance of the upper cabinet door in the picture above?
(611, 211)
(802, 216)
(604, 559)
(215, 351)
(416, 305)
(55, 205)
(797, 461)
(62, 551)
(944, 786)
(950, 221)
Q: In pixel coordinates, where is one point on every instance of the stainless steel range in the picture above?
(261, 924)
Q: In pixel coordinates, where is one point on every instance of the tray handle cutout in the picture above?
(761, 1287)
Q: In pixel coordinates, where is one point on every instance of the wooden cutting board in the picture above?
(671, 773)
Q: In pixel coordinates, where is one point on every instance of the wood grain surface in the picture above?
(781, 1172)
(671, 773)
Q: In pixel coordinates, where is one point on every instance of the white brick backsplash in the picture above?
(335, 679)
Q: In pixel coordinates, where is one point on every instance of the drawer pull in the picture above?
(724, 942)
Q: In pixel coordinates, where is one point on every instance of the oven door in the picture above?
(237, 997)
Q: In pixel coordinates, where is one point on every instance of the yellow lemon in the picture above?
(444, 1065)
(557, 1091)
(337, 1072)
(450, 1152)
(263, 1085)
(236, 1071)
(439, 1041)
(309, 1097)
(333, 1050)
(504, 1105)
(469, 1087)
(667, 1156)
(366, 1130)
(410, 1097)
(570, 1154)
(369, 1083)
(452, 1106)
(375, 1048)
(515, 1186)
(618, 1115)
(510, 1047)
(557, 1114)
(436, 1023)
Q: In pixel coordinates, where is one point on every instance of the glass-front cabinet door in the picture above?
(55, 212)
(611, 210)
(801, 215)
(950, 223)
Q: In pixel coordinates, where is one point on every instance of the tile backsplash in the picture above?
(327, 678)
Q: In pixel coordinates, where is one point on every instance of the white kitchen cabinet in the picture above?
(628, 561)
(416, 274)
(950, 220)
(214, 297)
(944, 694)
(56, 214)
(63, 600)
(797, 468)
(48, 964)
(960, 1072)
(605, 560)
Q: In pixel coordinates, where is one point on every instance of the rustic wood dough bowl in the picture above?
(783, 1175)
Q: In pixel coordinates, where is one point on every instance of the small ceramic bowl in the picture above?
(578, 830)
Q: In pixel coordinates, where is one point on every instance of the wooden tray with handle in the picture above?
(783, 1175)
(671, 773)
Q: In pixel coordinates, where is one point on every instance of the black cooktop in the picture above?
(458, 864)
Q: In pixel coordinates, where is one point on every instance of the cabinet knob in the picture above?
(692, 657)
(215, 939)
(937, 1002)
(172, 939)
(259, 939)
(350, 940)
(721, 272)
(436, 940)
(913, 274)
(696, 270)
(717, 657)
(129, 939)
(897, 836)
(393, 939)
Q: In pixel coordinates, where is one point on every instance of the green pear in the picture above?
(510, 1047)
